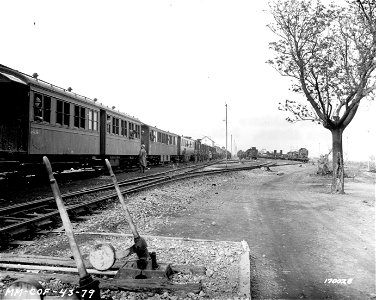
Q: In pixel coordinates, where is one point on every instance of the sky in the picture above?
(174, 65)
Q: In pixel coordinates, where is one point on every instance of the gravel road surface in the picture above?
(301, 237)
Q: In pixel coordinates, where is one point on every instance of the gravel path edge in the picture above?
(245, 272)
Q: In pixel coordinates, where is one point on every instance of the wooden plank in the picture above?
(245, 272)
(68, 262)
(149, 284)
(56, 269)
(31, 257)
(135, 285)
(155, 237)
(49, 261)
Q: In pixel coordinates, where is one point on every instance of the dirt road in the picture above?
(302, 239)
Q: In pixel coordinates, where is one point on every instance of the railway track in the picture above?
(31, 217)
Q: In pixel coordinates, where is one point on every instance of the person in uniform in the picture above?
(142, 158)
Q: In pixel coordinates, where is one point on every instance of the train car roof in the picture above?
(22, 78)
(158, 129)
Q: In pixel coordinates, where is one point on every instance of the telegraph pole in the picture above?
(226, 135)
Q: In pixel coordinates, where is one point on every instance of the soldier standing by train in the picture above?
(142, 158)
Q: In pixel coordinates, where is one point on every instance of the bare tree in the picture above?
(329, 52)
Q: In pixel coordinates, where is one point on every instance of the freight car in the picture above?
(300, 155)
(303, 154)
(252, 153)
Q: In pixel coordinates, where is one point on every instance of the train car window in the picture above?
(76, 116)
(42, 108)
(82, 117)
(59, 112)
(95, 121)
(79, 116)
(108, 124)
(62, 112)
(159, 137)
(66, 113)
(138, 131)
(115, 125)
(90, 119)
(38, 115)
(123, 128)
(47, 109)
(132, 133)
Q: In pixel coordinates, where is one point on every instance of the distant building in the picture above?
(263, 151)
(207, 141)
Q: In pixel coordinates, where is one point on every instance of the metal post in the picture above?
(226, 135)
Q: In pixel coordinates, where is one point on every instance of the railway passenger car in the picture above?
(161, 146)
(38, 118)
(187, 148)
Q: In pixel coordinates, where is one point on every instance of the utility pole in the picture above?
(226, 135)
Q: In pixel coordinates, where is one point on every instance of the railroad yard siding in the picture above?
(298, 234)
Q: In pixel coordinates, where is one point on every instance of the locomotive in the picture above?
(38, 118)
(253, 153)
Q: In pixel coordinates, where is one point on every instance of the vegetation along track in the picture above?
(30, 217)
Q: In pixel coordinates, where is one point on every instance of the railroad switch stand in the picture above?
(150, 269)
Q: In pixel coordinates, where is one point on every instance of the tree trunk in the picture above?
(338, 168)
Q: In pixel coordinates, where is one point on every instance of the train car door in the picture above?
(179, 144)
(14, 115)
(102, 132)
(146, 137)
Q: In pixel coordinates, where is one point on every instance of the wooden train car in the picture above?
(187, 148)
(38, 118)
(160, 145)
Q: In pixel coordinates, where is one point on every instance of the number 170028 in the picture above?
(339, 281)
